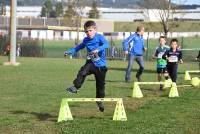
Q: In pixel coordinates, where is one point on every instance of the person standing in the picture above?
(134, 47)
(18, 50)
(113, 52)
(7, 51)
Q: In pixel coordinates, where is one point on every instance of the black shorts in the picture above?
(162, 70)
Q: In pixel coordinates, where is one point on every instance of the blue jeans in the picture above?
(139, 60)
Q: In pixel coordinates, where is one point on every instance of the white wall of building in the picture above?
(42, 34)
(34, 34)
(50, 34)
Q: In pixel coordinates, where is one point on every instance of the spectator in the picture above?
(18, 50)
(7, 51)
(133, 46)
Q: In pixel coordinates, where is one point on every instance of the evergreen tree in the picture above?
(43, 11)
(70, 12)
(47, 8)
(94, 12)
(59, 9)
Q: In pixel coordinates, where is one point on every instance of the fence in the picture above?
(55, 50)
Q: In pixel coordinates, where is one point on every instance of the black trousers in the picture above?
(99, 73)
(172, 70)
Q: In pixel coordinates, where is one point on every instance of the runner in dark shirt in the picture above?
(173, 56)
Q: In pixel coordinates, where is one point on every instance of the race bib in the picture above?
(160, 55)
(173, 59)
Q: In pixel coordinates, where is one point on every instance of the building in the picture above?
(32, 26)
(118, 14)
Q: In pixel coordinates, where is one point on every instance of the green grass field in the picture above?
(31, 93)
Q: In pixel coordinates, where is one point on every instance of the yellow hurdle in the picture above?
(65, 113)
(187, 75)
(173, 91)
(137, 93)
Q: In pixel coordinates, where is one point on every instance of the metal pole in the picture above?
(13, 31)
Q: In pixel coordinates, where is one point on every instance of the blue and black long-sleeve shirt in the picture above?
(173, 56)
(137, 44)
(97, 42)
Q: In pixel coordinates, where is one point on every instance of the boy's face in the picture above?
(162, 41)
(90, 31)
(142, 31)
(174, 45)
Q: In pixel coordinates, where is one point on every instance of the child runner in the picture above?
(96, 46)
(173, 56)
(161, 63)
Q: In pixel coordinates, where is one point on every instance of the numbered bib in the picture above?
(173, 59)
(160, 55)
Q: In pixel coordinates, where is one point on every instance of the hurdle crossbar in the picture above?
(187, 75)
(194, 71)
(137, 93)
(91, 99)
(150, 83)
(65, 113)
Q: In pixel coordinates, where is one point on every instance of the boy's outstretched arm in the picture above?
(72, 51)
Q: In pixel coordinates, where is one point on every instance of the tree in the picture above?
(53, 14)
(2, 8)
(59, 9)
(47, 8)
(94, 12)
(164, 10)
(43, 11)
(73, 15)
(70, 13)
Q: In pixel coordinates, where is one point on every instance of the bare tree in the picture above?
(94, 12)
(74, 13)
(164, 10)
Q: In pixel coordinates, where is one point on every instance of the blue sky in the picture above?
(188, 2)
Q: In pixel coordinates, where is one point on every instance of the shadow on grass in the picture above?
(40, 116)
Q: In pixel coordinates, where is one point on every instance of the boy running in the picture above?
(161, 63)
(173, 56)
(95, 45)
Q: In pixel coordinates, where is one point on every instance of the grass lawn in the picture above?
(30, 97)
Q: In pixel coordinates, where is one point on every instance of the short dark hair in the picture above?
(139, 28)
(173, 40)
(162, 37)
(89, 23)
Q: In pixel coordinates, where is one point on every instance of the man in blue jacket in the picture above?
(96, 46)
(134, 48)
